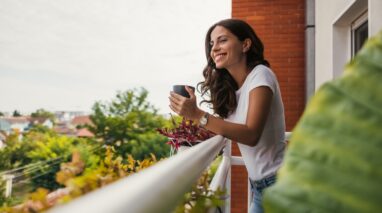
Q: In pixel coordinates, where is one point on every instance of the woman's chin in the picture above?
(219, 66)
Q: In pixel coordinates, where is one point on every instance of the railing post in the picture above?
(221, 179)
(8, 184)
(228, 154)
(249, 197)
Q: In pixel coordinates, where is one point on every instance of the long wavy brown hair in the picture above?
(218, 83)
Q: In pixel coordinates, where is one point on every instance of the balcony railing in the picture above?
(161, 187)
(158, 188)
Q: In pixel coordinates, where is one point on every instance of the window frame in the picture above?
(358, 23)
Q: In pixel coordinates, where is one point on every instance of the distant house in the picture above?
(3, 137)
(5, 125)
(80, 121)
(10, 124)
(41, 121)
(74, 127)
(67, 116)
(84, 133)
(63, 129)
(62, 116)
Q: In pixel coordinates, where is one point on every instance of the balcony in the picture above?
(160, 187)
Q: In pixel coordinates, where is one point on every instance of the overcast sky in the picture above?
(67, 54)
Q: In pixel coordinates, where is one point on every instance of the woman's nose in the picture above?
(215, 47)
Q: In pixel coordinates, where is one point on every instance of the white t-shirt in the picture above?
(266, 157)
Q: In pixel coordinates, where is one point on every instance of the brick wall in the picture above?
(280, 25)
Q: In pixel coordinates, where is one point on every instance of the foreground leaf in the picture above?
(333, 162)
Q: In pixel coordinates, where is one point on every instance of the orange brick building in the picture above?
(281, 26)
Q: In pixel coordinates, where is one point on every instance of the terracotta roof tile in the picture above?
(84, 133)
(81, 120)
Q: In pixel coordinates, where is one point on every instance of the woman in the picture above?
(246, 98)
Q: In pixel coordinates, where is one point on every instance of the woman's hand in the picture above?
(185, 107)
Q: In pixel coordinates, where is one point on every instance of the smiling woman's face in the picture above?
(226, 49)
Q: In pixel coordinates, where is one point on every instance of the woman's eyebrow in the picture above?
(219, 37)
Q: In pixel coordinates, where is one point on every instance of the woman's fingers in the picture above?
(177, 109)
(176, 96)
(174, 109)
(175, 100)
(190, 91)
(176, 103)
(181, 105)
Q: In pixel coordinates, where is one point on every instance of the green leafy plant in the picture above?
(35, 160)
(186, 133)
(128, 123)
(201, 198)
(77, 181)
(333, 162)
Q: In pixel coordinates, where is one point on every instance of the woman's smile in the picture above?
(219, 57)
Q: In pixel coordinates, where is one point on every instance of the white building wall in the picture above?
(375, 14)
(19, 126)
(48, 123)
(333, 40)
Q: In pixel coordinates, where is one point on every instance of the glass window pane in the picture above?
(360, 36)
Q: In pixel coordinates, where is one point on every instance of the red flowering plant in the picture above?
(186, 133)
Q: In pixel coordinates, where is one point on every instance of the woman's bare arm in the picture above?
(260, 100)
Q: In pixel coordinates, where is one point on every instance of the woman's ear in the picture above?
(246, 45)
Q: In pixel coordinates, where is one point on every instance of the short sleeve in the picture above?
(262, 76)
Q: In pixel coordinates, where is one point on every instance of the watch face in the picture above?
(204, 120)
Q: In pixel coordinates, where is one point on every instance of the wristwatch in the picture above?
(204, 119)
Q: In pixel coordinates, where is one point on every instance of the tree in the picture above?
(42, 113)
(55, 150)
(16, 113)
(1, 114)
(40, 154)
(42, 129)
(129, 124)
(13, 154)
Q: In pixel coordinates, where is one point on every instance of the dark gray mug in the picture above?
(181, 90)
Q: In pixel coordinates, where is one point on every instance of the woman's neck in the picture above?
(239, 73)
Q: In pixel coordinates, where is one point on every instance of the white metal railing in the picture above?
(8, 184)
(222, 179)
(221, 173)
(158, 188)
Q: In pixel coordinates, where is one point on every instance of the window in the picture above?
(359, 33)
(349, 34)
